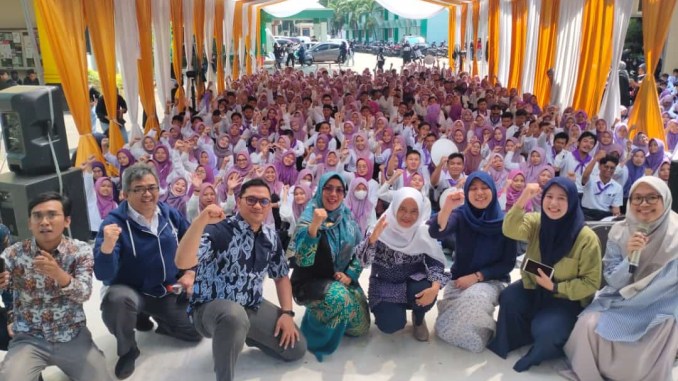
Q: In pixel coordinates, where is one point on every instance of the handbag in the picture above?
(310, 284)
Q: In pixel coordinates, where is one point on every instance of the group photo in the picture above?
(339, 190)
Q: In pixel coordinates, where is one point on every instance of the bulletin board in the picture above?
(16, 50)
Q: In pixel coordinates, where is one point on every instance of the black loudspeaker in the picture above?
(26, 115)
(673, 183)
(17, 190)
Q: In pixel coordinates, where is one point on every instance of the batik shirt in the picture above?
(233, 262)
(41, 307)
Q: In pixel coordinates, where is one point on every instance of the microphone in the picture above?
(635, 254)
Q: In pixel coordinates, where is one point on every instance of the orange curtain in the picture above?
(248, 41)
(177, 16)
(646, 114)
(237, 34)
(596, 55)
(219, 36)
(452, 20)
(493, 41)
(518, 42)
(101, 26)
(546, 49)
(199, 33)
(145, 66)
(64, 22)
(474, 19)
(464, 18)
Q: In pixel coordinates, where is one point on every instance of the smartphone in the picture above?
(2, 265)
(531, 267)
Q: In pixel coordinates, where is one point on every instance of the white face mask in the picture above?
(305, 182)
(360, 195)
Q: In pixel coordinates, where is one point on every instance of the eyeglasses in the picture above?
(651, 199)
(143, 190)
(331, 189)
(51, 216)
(251, 201)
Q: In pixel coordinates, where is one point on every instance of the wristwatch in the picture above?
(286, 312)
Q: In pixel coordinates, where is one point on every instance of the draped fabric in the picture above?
(483, 33)
(451, 30)
(475, 18)
(646, 114)
(421, 10)
(493, 41)
(569, 36)
(128, 53)
(101, 28)
(505, 36)
(228, 36)
(237, 30)
(596, 52)
(532, 42)
(176, 13)
(160, 13)
(463, 43)
(609, 110)
(188, 39)
(219, 38)
(546, 51)
(64, 21)
(145, 66)
(469, 39)
(518, 42)
(199, 35)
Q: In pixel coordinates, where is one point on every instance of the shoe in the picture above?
(144, 323)
(420, 331)
(125, 365)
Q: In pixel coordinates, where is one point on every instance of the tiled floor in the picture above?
(377, 357)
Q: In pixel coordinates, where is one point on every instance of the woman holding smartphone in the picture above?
(629, 331)
(539, 309)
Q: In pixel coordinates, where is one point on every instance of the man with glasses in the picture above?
(603, 197)
(134, 256)
(233, 257)
(50, 277)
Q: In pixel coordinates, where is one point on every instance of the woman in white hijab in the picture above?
(629, 331)
(407, 264)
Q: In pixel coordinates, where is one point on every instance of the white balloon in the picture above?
(442, 148)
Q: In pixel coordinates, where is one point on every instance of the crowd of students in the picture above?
(336, 171)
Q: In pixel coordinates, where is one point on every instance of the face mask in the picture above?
(360, 195)
(305, 182)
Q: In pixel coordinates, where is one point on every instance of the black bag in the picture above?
(310, 284)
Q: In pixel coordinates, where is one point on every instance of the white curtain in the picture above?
(209, 38)
(469, 39)
(411, 9)
(161, 48)
(530, 61)
(457, 30)
(127, 53)
(504, 41)
(253, 36)
(228, 34)
(482, 33)
(567, 52)
(188, 40)
(291, 8)
(241, 41)
(609, 109)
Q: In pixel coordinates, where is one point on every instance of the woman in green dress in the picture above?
(326, 277)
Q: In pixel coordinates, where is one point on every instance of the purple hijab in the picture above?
(130, 157)
(163, 168)
(297, 209)
(287, 174)
(360, 209)
(177, 202)
(654, 160)
(532, 171)
(105, 204)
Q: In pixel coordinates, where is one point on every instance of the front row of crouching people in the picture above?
(145, 249)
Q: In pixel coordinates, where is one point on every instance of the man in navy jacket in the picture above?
(134, 256)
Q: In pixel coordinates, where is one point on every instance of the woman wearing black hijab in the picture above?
(538, 309)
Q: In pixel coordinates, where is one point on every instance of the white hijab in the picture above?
(414, 240)
(662, 246)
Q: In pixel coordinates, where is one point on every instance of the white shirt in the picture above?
(602, 197)
(141, 220)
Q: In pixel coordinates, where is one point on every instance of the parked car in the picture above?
(323, 52)
(416, 41)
